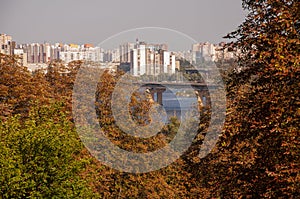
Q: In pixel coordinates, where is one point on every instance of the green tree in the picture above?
(40, 157)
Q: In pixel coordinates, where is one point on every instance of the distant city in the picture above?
(139, 57)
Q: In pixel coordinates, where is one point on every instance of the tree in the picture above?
(171, 181)
(61, 78)
(40, 156)
(19, 88)
(15, 86)
(258, 153)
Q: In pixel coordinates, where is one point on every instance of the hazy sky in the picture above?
(92, 21)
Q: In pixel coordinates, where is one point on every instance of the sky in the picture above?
(104, 23)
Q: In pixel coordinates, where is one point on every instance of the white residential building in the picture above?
(151, 59)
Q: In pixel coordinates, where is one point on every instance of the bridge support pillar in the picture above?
(159, 94)
(159, 97)
(207, 98)
(152, 95)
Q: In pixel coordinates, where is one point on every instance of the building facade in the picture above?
(7, 45)
(151, 59)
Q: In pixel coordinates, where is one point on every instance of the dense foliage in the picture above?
(40, 156)
(259, 150)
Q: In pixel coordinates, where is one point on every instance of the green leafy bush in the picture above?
(40, 156)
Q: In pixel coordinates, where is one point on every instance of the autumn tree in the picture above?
(61, 77)
(258, 153)
(170, 182)
(19, 88)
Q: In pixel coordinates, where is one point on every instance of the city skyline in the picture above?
(94, 21)
(140, 57)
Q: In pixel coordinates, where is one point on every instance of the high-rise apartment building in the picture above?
(7, 45)
(22, 56)
(125, 52)
(202, 52)
(151, 59)
(87, 52)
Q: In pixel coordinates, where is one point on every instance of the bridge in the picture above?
(178, 85)
(201, 89)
